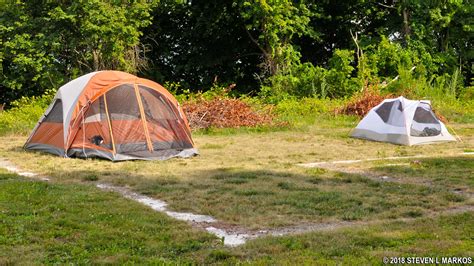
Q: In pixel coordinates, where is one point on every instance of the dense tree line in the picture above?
(307, 48)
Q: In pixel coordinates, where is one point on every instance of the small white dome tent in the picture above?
(402, 121)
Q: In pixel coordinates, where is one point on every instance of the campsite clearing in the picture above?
(251, 179)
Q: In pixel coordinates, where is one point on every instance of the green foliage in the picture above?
(215, 91)
(182, 94)
(24, 114)
(280, 49)
(467, 94)
(178, 91)
(276, 23)
(303, 111)
(45, 45)
(446, 92)
(381, 58)
(307, 80)
(303, 80)
(200, 43)
(339, 77)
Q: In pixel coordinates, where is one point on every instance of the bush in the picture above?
(24, 114)
(307, 80)
(446, 93)
(303, 80)
(304, 111)
(184, 94)
(340, 82)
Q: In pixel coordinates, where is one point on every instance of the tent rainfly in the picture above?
(113, 115)
(402, 121)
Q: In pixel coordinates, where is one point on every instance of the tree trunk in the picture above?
(406, 25)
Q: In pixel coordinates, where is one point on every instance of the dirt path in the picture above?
(210, 224)
(12, 168)
(232, 235)
(342, 166)
(316, 164)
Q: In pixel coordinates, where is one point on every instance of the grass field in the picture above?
(247, 178)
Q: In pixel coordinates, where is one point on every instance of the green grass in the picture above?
(431, 237)
(455, 173)
(262, 199)
(249, 178)
(73, 223)
(54, 223)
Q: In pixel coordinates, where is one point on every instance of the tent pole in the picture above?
(142, 114)
(110, 124)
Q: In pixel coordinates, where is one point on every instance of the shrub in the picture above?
(446, 93)
(307, 80)
(340, 82)
(304, 110)
(24, 114)
(303, 80)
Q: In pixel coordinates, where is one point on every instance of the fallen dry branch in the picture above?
(223, 113)
(361, 105)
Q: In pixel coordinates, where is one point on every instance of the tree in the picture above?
(272, 26)
(46, 44)
(200, 43)
(332, 23)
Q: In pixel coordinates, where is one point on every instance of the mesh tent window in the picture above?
(56, 113)
(392, 113)
(425, 123)
(126, 123)
(384, 110)
(160, 113)
(96, 112)
(96, 127)
(122, 103)
(156, 108)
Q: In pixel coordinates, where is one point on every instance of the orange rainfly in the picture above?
(113, 115)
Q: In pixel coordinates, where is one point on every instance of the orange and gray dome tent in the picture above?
(113, 115)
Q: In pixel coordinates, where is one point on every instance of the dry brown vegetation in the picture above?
(223, 112)
(361, 105)
(370, 98)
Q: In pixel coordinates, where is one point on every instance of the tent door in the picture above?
(166, 127)
(127, 127)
